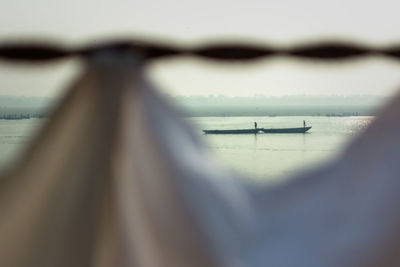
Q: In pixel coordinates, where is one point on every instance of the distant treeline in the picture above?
(300, 105)
(210, 110)
(12, 107)
(15, 113)
(289, 100)
(196, 106)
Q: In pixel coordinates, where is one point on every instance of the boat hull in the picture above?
(255, 131)
(239, 131)
(287, 130)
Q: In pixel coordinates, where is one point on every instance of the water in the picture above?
(15, 135)
(269, 157)
(264, 157)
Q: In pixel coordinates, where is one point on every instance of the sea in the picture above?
(259, 157)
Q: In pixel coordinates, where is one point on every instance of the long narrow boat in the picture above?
(238, 131)
(255, 131)
(287, 130)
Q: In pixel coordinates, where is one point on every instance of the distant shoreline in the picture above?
(27, 117)
(281, 116)
(240, 111)
(26, 113)
(224, 106)
(300, 105)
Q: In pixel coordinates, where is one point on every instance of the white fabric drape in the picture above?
(116, 178)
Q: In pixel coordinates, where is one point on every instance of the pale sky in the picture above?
(190, 22)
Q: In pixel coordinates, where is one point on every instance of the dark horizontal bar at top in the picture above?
(316, 51)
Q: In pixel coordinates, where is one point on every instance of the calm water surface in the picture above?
(265, 157)
(269, 157)
(14, 137)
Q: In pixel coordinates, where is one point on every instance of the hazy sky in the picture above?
(189, 22)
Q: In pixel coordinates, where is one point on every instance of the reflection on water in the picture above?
(265, 157)
(269, 157)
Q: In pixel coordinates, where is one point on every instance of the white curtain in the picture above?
(116, 178)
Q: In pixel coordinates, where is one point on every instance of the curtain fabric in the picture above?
(117, 178)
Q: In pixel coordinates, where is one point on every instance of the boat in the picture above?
(287, 130)
(258, 130)
(238, 131)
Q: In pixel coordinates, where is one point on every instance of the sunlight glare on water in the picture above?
(272, 157)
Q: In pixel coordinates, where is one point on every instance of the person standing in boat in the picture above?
(304, 123)
(255, 125)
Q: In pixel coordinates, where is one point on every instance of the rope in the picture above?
(317, 51)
